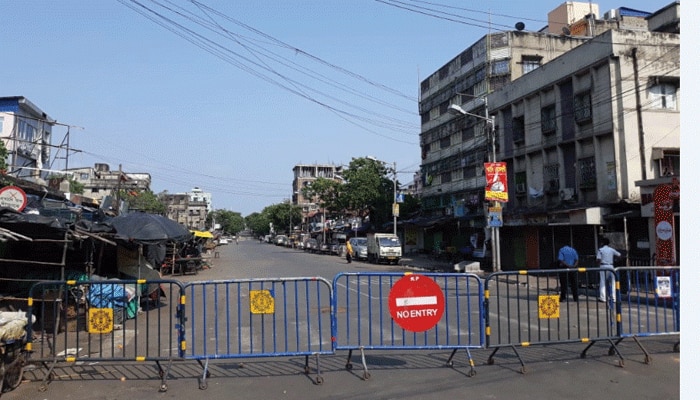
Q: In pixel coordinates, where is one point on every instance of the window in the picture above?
(586, 171)
(530, 63)
(520, 183)
(549, 120)
(519, 129)
(500, 67)
(551, 178)
(663, 96)
(445, 142)
(582, 107)
(446, 177)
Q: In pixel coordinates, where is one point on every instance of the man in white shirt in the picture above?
(606, 257)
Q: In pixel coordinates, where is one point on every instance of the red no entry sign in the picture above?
(416, 303)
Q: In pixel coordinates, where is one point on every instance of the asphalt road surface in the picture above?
(552, 371)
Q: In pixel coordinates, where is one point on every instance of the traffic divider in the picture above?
(104, 320)
(249, 318)
(406, 311)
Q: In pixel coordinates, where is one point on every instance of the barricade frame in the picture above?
(259, 285)
(113, 350)
(633, 286)
(606, 317)
(394, 329)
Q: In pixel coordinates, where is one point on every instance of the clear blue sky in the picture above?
(266, 85)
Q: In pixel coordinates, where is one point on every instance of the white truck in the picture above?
(383, 247)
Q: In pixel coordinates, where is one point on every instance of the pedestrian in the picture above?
(606, 258)
(568, 258)
(348, 251)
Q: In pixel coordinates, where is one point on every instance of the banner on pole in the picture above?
(496, 182)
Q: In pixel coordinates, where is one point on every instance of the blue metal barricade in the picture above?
(246, 318)
(104, 320)
(649, 302)
(408, 311)
(523, 308)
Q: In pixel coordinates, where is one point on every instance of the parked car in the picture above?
(335, 249)
(311, 245)
(223, 241)
(359, 248)
(281, 240)
(325, 248)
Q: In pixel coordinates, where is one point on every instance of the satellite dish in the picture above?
(520, 26)
(566, 30)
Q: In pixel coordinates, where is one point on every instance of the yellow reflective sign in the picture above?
(261, 302)
(100, 320)
(548, 306)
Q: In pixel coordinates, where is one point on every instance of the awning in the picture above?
(202, 234)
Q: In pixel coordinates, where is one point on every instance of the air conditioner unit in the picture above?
(566, 194)
(520, 188)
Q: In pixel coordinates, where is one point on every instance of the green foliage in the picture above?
(369, 189)
(3, 156)
(277, 214)
(231, 222)
(144, 200)
(327, 191)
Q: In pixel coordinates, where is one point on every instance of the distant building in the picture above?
(102, 184)
(305, 174)
(189, 209)
(26, 132)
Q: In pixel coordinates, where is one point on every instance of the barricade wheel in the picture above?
(471, 373)
(450, 364)
(647, 360)
(621, 363)
(522, 370)
(203, 385)
(677, 347)
(163, 388)
(42, 388)
(366, 376)
(319, 380)
(306, 369)
(348, 366)
(611, 351)
(490, 361)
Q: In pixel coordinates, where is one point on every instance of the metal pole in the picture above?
(393, 206)
(495, 231)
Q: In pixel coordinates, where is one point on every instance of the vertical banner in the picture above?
(496, 182)
(664, 195)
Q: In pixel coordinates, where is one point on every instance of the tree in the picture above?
(327, 191)
(231, 222)
(142, 200)
(368, 190)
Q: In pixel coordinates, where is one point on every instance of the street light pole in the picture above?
(395, 206)
(491, 125)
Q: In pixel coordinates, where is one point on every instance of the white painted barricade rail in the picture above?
(396, 311)
(249, 318)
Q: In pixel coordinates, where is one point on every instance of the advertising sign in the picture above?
(496, 182)
(664, 196)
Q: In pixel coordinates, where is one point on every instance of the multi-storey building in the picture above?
(304, 174)
(454, 148)
(579, 133)
(101, 183)
(477, 83)
(189, 209)
(26, 132)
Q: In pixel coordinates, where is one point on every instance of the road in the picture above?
(553, 371)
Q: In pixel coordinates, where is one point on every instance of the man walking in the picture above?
(568, 258)
(605, 258)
